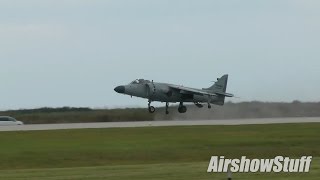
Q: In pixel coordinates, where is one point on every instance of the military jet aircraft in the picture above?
(170, 93)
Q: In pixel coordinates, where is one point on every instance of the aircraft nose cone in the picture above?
(119, 89)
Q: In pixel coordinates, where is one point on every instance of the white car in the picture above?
(7, 121)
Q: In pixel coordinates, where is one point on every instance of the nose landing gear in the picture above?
(151, 108)
(181, 108)
(167, 106)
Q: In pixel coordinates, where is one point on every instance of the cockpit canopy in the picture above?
(140, 81)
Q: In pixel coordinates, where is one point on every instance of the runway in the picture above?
(35, 127)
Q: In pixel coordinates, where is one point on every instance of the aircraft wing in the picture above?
(186, 90)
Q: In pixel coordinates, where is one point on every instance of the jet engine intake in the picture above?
(159, 90)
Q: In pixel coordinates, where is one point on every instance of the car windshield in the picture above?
(139, 81)
(3, 119)
(7, 119)
(14, 120)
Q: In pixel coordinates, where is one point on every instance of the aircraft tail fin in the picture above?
(220, 86)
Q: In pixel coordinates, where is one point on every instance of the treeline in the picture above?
(77, 115)
(49, 110)
(230, 110)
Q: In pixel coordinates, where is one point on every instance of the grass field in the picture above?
(152, 152)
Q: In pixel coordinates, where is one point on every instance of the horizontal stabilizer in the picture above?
(224, 94)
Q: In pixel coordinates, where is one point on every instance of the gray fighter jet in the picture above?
(170, 93)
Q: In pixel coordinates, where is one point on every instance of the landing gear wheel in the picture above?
(182, 109)
(151, 109)
(209, 106)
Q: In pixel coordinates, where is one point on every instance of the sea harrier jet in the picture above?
(170, 93)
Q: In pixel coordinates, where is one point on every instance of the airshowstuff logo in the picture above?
(244, 165)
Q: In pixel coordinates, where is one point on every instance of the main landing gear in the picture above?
(182, 108)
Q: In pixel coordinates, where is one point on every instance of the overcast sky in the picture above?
(74, 52)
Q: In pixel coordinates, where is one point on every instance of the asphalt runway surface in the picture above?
(33, 127)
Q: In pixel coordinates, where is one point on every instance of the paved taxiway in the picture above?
(32, 127)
